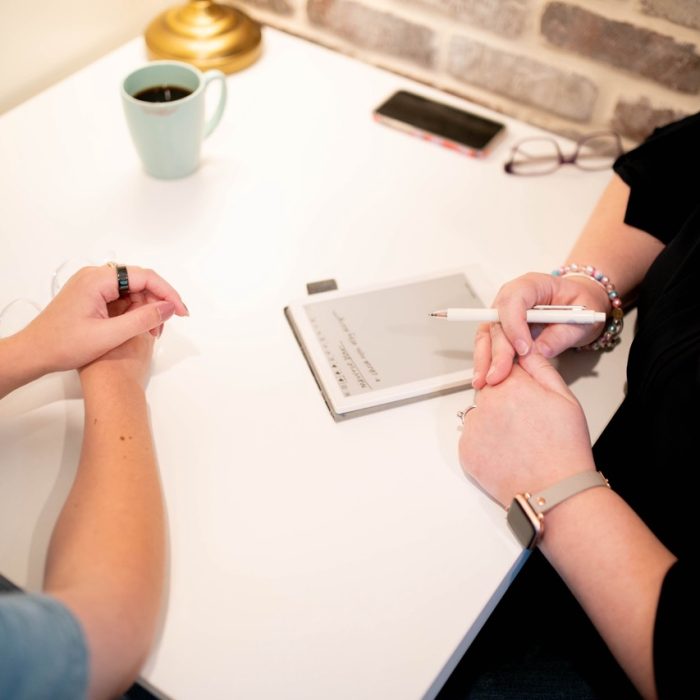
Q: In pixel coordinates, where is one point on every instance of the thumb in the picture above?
(545, 374)
(557, 337)
(139, 320)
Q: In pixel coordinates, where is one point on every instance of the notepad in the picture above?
(376, 347)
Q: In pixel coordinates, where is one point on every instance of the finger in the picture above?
(138, 320)
(135, 301)
(513, 300)
(502, 354)
(149, 298)
(482, 355)
(512, 314)
(153, 285)
(559, 337)
(140, 298)
(544, 373)
(118, 307)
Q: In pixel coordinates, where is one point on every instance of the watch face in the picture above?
(524, 522)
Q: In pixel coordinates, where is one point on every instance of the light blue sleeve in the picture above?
(43, 652)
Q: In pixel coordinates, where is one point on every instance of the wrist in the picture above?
(526, 513)
(567, 521)
(104, 379)
(602, 302)
(610, 336)
(19, 361)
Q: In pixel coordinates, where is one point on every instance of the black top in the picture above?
(649, 449)
(539, 640)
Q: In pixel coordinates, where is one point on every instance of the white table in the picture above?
(308, 558)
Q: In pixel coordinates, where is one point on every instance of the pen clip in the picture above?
(545, 307)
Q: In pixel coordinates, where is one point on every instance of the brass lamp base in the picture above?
(206, 34)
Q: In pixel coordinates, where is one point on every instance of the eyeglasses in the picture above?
(542, 155)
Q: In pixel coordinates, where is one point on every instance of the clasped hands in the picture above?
(87, 320)
(528, 430)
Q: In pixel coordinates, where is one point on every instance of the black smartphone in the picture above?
(441, 123)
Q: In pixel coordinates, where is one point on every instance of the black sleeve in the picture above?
(662, 174)
(675, 632)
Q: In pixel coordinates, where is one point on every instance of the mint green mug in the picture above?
(165, 107)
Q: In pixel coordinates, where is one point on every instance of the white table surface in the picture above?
(308, 558)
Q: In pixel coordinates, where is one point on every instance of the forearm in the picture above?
(615, 567)
(19, 363)
(622, 252)
(106, 558)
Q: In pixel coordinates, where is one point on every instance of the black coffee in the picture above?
(162, 93)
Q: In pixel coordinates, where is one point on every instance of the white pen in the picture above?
(537, 314)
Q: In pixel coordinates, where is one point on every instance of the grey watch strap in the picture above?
(545, 500)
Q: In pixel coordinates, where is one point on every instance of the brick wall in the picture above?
(572, 66)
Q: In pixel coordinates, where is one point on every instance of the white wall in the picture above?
(42, 41)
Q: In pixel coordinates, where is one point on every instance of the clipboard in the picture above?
(376, 347)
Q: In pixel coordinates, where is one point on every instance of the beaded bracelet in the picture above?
(610, 336)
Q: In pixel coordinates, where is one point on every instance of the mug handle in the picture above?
(209, 77)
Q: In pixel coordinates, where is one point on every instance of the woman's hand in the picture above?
(526, 433)
(77, 327)
(127, 363)
(497, 344)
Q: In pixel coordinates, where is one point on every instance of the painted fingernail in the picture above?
(521, 347)
(165, 309)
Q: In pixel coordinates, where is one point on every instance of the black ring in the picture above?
(122, 280)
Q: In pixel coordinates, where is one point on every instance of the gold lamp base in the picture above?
(206, 34)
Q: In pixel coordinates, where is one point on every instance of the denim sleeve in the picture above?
(43, 652)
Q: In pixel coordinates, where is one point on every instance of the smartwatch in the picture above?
(526, 512)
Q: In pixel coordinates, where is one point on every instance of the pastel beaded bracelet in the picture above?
(610, 336)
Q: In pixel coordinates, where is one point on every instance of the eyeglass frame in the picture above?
(562, 159)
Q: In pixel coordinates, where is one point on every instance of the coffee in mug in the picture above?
(163, 93)
(165, 107)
